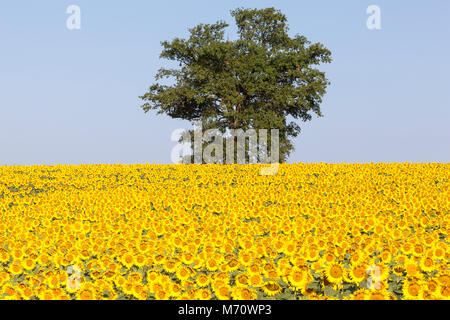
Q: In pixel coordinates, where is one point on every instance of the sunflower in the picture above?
(159, 259)
(247, 294)
(96, 274)
(271, 274)
(183, 273)
(84, 254)
(241, 280)
(86, 294)
(140, 260)
(347, 276)
(407, 248)
(439, 253)
(379, 229)
(271, 288)
(386, 256)
(161, 295)
(412, 290)
(128, 260)
(244, 258)
(165, 279)
(236, 293)
(28, 264)
(361, 294)
(135, 277)
(223, 292)
(444, 292)
(358, 273)
(202, 280)
(233, 265)
(355, 258)
(175, 290)
(17, 254)
(53, 281)
(154, 287)
(138, 291)
(127, 287)
(119, 280)
(223, 267)
(334, 273)
(432, 285)
(444, 279)
(222, 276)
(4, 255)
(203, 294)
(412, 269)
(187, 258)
(297, 278)
(317, 266)
(16, 268)
(211, 265)
(26, 292)
(186, 296)
(253, 268)
(427, 264)
(198, 263)
(295, 260)
(401, 259)
(255, 280)
(379, 295)
(329, 257)
(428, 295)
(418, 250)
(289, 248)
(312, 254)
(170, 266)
(398, 269)
(47, 294)
(217, 283)
(9, 290)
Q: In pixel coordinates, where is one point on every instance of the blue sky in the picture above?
(71, 96)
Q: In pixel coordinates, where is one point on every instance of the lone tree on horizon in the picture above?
(255, 82)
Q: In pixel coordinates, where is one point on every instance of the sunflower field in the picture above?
(311, 231)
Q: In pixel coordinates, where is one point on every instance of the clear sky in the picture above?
(71, 96)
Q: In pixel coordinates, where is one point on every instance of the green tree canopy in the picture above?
(258, 81)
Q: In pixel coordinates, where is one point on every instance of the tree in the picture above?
(258, 81)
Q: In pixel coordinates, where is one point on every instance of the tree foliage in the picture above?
(263, 79)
